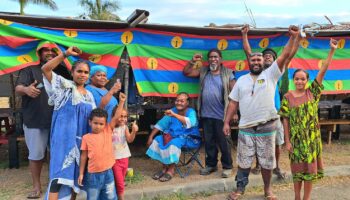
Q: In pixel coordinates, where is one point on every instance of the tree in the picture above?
(48, 3)
(100, 10)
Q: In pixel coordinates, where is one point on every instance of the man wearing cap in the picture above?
(254, 94)
(269, 56)
(36, 113)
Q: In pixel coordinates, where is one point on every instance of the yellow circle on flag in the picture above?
(70, 33)
(222, 44)
(198, 64)
(176, 42)
(5, 22)
(127, 37)
(95, 58)
(304, 43)
(264, 43)
(341, 43)
(338, 85)
(139, 88)
(152, 63)
(240, 65)
(320, 63)
(25, 59)
(173, 88)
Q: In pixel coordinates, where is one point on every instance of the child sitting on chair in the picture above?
(97, 151)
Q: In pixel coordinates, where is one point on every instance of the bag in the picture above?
(166, 138)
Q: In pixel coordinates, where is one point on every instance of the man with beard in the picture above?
(216, 81)
(254, 94)
(36, 113)
(270, 56)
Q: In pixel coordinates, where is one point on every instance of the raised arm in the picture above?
(105, 99)
(246, 46)
(48, 67)
(283, 58)
(294, 50)
(181, 118)
(189, 69)
(231, 110)
(334, 45)
(118, 112)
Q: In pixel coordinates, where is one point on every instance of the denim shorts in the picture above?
(101, 186)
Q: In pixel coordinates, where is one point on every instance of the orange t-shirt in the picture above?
(100, 150)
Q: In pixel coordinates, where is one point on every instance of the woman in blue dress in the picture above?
(180, 129)
(72, 106)
(103, 98)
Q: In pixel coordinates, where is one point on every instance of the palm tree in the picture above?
(100, 10)
(48, 3)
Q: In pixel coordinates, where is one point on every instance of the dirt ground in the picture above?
(16, 183)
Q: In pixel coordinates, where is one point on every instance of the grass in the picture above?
(136, 178)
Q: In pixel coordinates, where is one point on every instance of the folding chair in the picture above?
(189, 156)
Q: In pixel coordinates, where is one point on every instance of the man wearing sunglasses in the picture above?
(254, 94)
(216, 82)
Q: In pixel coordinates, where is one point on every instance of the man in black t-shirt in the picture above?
(36, 113)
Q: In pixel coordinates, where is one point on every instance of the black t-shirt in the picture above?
(36, 111)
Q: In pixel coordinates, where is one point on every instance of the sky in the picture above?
(266, 13)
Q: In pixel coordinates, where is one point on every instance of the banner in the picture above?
(18, 44)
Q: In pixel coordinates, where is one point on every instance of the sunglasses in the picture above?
(256, 54)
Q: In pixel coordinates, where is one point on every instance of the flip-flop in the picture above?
(234, 196)
(256, 170)
(158, 175)
(270, 197)
(279, 173)
(165, 177)
(34, 195)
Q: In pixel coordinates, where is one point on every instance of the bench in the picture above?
(331, 126)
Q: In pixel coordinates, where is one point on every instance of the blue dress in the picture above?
(69, 124)
(181, 137)
(98, 94)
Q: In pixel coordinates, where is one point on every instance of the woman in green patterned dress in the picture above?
(301, 127)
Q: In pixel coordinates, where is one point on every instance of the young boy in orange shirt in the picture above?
(97, 151)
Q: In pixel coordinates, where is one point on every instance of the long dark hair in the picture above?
(301, 70)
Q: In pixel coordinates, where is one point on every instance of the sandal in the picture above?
(158, 175)
(279, 173)
(234, 196)
(270, 197)
(165, 177)
(34, 195)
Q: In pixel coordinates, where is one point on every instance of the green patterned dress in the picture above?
(305, 135)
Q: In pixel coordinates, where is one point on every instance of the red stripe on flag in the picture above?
(13, 41)
(106, 60)
(16, 68)
(313, 64)
(156, 94)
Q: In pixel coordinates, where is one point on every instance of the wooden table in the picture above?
(331, 125)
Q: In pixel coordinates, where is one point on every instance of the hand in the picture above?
(116, 87)
(134, 127)
(197, 57)
(293, 31)
(122, 97)
(80, 179)
(149, 141)
(31, 90)
(227, 129)
(235, 118)
(333, 43)
(73, 51)
(169, 113)
(245, 29)
(289, 147)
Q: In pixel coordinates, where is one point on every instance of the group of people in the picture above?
(88, 145)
